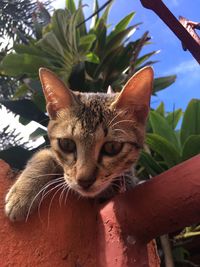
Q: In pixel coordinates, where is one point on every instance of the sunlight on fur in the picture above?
(95, 142)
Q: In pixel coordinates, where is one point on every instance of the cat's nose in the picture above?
(86, 182)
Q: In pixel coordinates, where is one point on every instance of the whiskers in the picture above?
(122, 182)
(57, 185)
(121, 131)
(121, 112)
(119, 184)
(116, 122)
(122, 121)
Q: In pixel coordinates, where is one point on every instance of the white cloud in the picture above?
(58, 4)
(188, 74)
(185, 67)
(172, 3)
(175, 2)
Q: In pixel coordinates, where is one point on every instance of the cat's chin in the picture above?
(88, 194)
(92, 192)
(103, 194)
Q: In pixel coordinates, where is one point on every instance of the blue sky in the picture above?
(172, 58)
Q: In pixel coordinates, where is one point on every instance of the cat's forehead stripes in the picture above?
(91, 113)
(94, 110)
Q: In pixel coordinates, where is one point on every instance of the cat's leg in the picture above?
(25, 194)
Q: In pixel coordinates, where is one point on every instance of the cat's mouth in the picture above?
(92, 191)
(116, 184)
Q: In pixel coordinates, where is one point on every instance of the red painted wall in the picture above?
(72, 235)
(85, 234)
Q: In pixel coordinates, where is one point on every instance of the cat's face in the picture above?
(96, 137)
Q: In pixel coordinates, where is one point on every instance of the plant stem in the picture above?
(96, 12)
(169, 262)
(187, 235)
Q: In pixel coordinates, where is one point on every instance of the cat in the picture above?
(95, 142)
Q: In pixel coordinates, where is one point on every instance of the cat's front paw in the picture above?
(17, 205)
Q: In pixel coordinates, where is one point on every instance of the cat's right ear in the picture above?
(57, 95)
(135, 95)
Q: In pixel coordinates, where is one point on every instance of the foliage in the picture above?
(85, 59)
(7, 87)
(95, 58)
(19, 21)
(166, 144)
(10, 138)
(18, 18)
(172, 137)
(12, 141)
(7, 84)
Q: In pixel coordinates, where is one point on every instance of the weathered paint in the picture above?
(85, 234)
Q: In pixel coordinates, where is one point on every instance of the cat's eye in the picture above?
(112, 148)
(67, 145)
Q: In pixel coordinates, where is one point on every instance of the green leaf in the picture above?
(107, 63)
(191, 120)
(16, 157)
(86, 42)
(106, 12)
(180, 254)
(21, 91)
(70, 5)
(161, 109)
(39, 100)
(92, 57)
(118, 38)
(191, 147)
(53, 43)
(24, 121)
(145, 57)
(27, 109)
(164, 148)
(28, 49)
(161, 127)
(163, 82)
(39, 132)
(82, 28)
(174, 117)
(59, 23)
(100, 32)
(148, 162)
(96, 16)
(20, 64)
(121, 26)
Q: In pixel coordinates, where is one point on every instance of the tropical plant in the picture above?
(10, 138)
(85, 59)
(91, 59)
(19, 18)
(95, 58)
(172, 137)
(11, 142)
(168, 145)
(19, 21)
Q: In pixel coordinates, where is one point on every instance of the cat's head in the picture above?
(96, 137)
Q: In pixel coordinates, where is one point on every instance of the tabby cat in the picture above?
(95, 141)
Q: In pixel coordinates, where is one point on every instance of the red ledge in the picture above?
(84, 234)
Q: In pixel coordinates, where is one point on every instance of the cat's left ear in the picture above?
(135, 95)
(57, 95)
